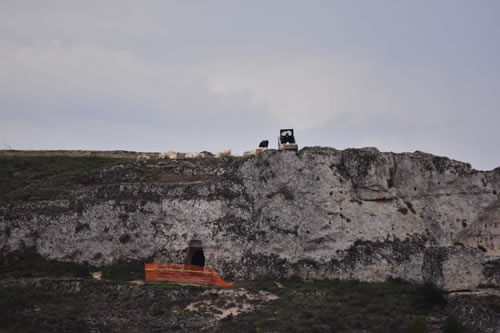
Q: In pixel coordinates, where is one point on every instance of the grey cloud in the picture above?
(184, 75)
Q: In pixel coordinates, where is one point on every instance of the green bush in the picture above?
(417, 325)
(29, 263)
(156, 309)
(124, 271)
(453, 325)
(432, 295)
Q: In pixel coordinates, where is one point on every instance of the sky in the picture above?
(212, 75)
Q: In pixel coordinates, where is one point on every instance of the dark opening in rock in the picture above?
(195, 255)
(198, 258)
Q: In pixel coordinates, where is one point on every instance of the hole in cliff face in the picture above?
(198, 258)
(195, 255)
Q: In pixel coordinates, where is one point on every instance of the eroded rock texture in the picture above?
(478, 311)
(320, 213)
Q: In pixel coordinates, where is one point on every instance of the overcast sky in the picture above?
(212, 75)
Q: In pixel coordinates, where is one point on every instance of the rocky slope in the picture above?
(319, 213)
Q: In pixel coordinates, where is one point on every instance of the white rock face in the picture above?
(454, 268)
(319, 213)
(172, 154)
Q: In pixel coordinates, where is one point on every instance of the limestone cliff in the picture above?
(319, 213)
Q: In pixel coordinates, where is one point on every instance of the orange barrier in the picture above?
(184, 274)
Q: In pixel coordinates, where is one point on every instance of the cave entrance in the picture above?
(195, 255)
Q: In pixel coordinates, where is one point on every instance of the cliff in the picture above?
(319, 213)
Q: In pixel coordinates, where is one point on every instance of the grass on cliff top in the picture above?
(46, 177)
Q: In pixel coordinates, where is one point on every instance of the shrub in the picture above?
(124, 271)
(417, 325)
(156, 309)
(432, 295)
(28, 263)
(452, 325)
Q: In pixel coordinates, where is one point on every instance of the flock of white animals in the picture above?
(175, 155)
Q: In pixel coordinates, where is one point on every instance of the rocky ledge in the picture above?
(320, 213)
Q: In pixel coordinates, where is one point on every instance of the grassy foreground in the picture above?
(342, 306)
(301, 306)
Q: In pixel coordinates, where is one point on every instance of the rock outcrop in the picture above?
(319, 213)
(454, 268)
(478, 311)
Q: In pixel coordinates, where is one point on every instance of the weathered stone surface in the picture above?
(491, 271)
(478, 311)
(454, 267)
(319, 213)
(485, 232)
